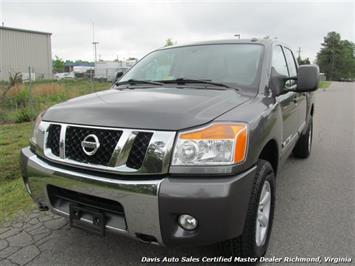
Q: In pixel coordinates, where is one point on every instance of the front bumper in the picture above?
(151, 207)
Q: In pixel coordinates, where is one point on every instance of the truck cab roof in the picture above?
(261, 41)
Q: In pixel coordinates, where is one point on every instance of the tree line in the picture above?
(336, 58)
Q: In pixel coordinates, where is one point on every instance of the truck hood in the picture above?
(162, 108)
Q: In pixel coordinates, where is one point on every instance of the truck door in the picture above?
(287, 101)
(300, 98)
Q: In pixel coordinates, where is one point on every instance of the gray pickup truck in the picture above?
(182, 150)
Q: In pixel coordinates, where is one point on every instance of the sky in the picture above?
(134, 28)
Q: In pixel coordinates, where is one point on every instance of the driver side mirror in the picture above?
(119, 74)
(308, 78)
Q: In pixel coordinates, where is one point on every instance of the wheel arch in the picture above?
(270, 153)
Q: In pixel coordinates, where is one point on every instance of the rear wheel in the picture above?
(304, 145)
(257, 229)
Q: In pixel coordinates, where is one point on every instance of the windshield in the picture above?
(234, 64)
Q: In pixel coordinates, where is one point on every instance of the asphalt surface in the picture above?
(315, 208)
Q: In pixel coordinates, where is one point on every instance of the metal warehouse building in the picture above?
(21, 48)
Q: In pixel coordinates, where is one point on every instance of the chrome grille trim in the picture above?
(124, 145)
(156, 160)
(62, 141)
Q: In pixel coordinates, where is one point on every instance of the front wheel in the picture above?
(257, 229)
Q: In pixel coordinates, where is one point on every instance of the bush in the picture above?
(56, 98)
(14, 107)
(22, 98)
(3, 116)
(23, 115)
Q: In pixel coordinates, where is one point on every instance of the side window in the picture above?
(292, 68)
(278, 60)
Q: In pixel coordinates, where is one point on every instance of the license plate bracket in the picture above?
(88, 219)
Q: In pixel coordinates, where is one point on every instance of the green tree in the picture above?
(68, 62)
(58, 64)
(168, 42)
(301, 61)
(336, 59)
(347, 65)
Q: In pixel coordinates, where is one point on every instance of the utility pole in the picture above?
(95, 51)
(94, 43)
(30, 90)
(299, 52)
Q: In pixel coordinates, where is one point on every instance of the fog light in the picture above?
(187, 222)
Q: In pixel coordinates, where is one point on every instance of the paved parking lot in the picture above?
(315, 209)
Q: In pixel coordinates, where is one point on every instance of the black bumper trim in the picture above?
(220, 205)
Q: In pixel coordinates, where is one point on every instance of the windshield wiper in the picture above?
(182, 81)
(137, 81)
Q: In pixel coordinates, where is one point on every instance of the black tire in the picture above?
(245, 245)
(303, 146)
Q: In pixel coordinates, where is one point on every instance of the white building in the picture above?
(107, 70)
(21, 48)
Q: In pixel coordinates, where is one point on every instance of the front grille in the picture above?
(111, 150)
(53, 138)
(139, 148)
(75, 135)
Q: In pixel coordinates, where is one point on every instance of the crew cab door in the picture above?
(287, 101)
(300, 98)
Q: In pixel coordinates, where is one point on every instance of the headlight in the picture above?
(217, 144)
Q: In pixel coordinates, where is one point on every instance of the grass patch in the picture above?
(14, 108)
(324, 84)
(13, 197)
